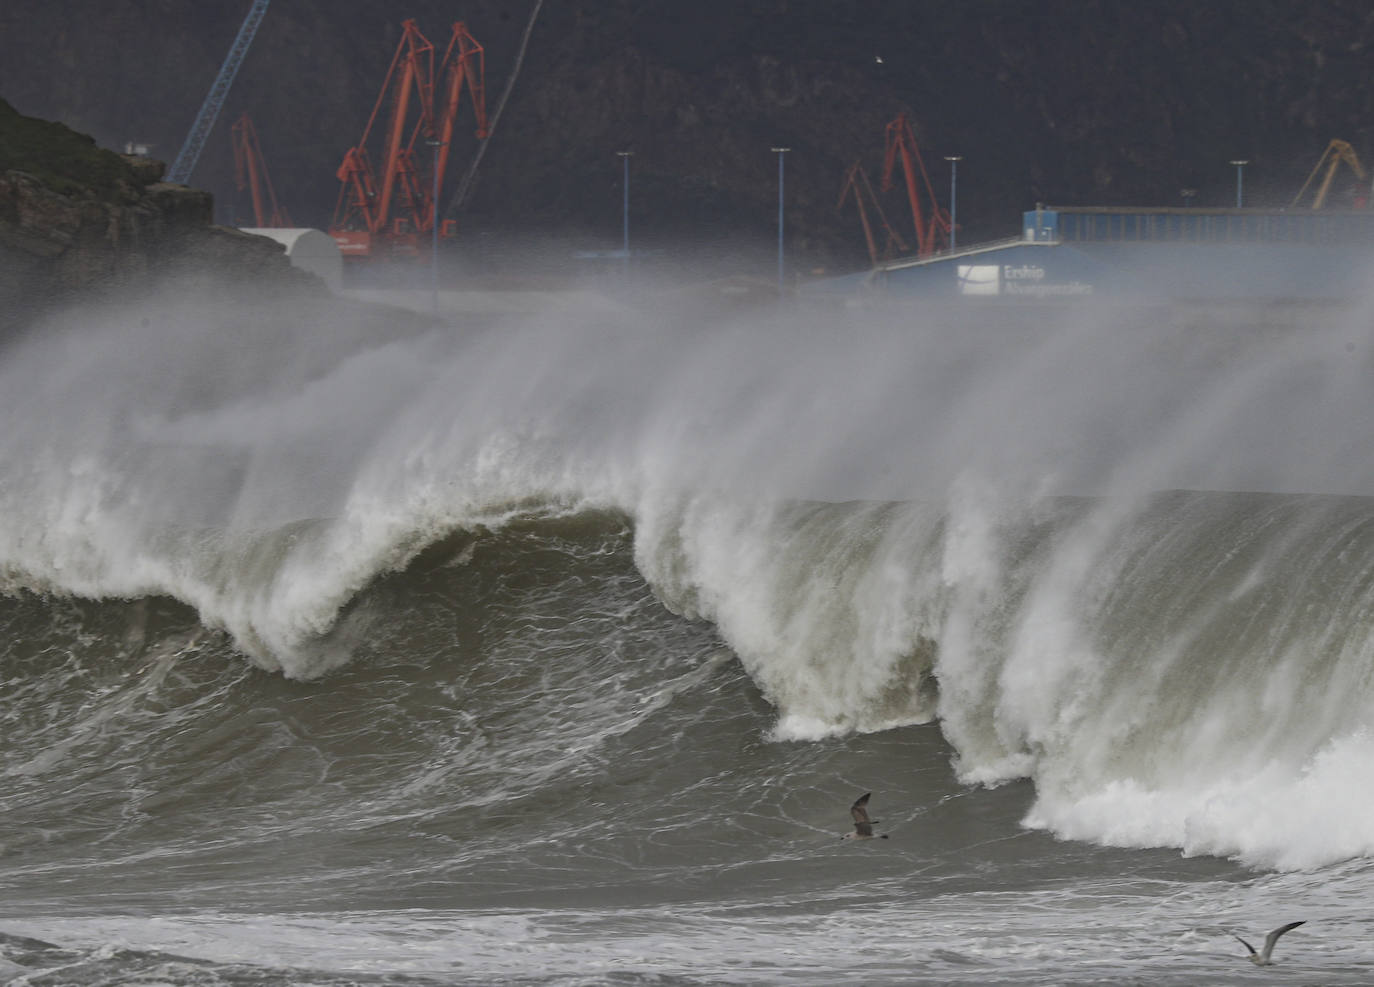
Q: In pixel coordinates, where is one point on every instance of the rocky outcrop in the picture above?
(76, 220)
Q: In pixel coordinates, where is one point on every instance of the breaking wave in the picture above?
(1125, 554)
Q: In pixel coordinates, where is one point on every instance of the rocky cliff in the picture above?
(76, 220)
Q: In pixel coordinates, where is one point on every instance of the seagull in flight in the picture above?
(1262, 957)
(863, 826)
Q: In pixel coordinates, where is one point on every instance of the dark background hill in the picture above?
(1056, 101)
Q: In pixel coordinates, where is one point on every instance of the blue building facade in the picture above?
(1098, 225)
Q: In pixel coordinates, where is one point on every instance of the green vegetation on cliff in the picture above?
(63, 160)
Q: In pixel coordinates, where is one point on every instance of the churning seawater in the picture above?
(341, 649)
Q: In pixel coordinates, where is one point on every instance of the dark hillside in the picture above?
(1061, 101)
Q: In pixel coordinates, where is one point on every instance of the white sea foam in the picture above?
(1288, 814)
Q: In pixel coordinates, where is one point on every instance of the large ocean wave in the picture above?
(889, 518)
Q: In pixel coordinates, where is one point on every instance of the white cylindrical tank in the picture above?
(310, 250)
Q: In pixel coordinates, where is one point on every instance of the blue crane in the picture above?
(209, 110)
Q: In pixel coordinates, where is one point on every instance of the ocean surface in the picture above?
(552, 649)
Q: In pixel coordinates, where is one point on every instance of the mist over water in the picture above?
(1123, 552)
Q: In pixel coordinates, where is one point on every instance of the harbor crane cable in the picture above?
(461, 193)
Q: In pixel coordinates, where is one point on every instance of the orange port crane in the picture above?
(250, 172)
(385, 211)
(856, 183)
(1336, 152)
(464, 63)
(901, 145)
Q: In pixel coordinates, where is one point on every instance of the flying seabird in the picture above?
(1262, 957)
(863, 826)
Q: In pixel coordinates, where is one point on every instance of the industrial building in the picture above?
(1146, 253)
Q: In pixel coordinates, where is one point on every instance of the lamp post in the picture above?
(434, 228)
(1240, 181)
(953, 160)
(780, 151)
(625, 208)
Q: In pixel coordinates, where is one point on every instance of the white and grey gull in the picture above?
(1262, 958)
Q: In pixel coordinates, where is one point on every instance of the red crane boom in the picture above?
(901, 144)
(364, 204)
(388, 212)
(856, 182)
(464, 62)
(250, 172)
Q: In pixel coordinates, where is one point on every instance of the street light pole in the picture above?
(625, 208)
(434, 228)
(1240, 170)
(780, 151)
(953, 160)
